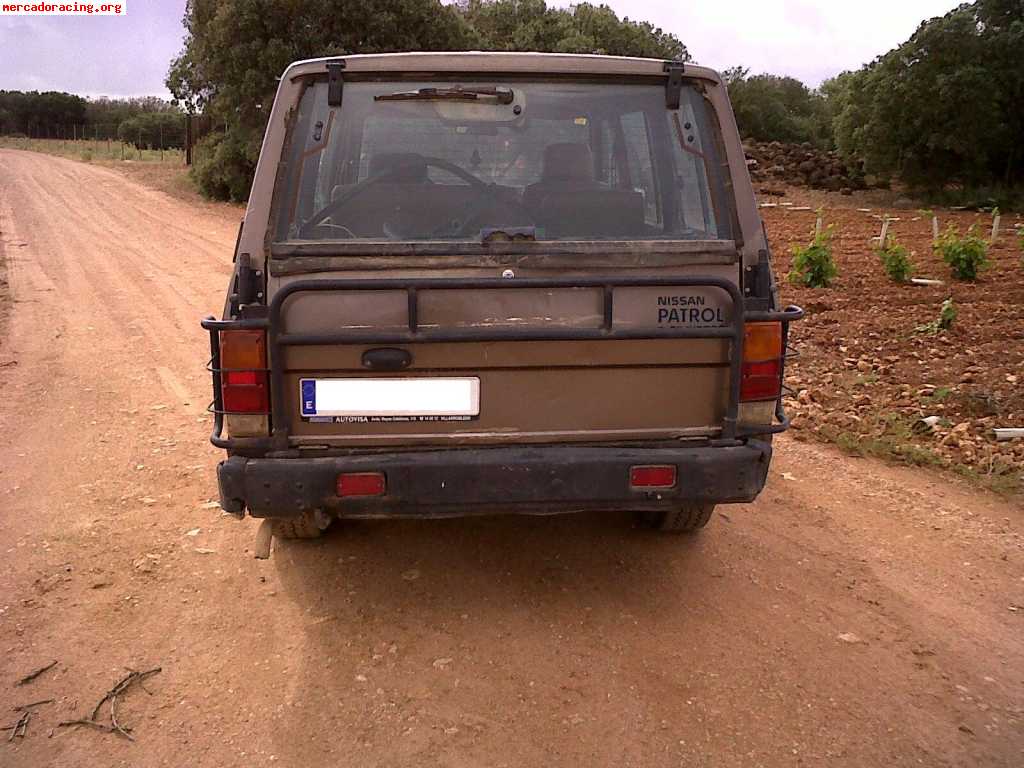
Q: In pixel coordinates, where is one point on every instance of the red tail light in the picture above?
(761, 374)
(243, 362)
(653, 476)
(361, 484)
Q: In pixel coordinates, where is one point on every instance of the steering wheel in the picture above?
(491, 190)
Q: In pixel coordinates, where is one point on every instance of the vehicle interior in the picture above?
(571, 162)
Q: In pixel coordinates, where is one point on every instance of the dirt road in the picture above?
(856, 615)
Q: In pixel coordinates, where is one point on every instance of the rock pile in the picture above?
(800, 165)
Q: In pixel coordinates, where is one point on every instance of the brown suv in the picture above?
(497, 282)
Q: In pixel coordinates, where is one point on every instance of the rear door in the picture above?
(555, 266)
(516, 359)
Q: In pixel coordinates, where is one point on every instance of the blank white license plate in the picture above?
(390, 397)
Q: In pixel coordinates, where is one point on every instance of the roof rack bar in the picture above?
(674, 84)
(334, 82)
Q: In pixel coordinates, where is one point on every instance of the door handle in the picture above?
(386, 359)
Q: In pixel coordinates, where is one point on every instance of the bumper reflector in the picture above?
(652, 476)
(361, 484)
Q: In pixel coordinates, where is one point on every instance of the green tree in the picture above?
(943, 107)
(236, 49)
(530, 25)
(37, 113)
(154, 130)
(775, 108)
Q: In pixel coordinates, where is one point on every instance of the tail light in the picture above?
(361, 484)
(761, 373)
(652, 476)
(243, 363)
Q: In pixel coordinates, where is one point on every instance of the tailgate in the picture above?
(488, 360)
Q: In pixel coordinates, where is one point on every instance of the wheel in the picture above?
(308, 525)
(687, 518)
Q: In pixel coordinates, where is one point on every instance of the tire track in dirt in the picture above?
(148, 296)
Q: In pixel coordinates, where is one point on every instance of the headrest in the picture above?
(407, 167)
(566, 161)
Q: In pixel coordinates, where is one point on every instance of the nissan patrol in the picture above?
(497, 282)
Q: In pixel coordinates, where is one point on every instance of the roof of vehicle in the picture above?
(481, 61)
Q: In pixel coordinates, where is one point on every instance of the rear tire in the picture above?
(687, 518)
(308, 525)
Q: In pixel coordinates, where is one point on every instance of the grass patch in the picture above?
(1004, 479)
(95, 151)
(893, 439)
(938, 395)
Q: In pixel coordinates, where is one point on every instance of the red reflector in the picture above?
(655, 476)
(761, 381)
(361, 484)
(244, 399)
(240, 378)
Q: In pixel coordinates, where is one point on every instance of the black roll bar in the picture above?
(414, 333)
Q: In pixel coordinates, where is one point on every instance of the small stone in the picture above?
(848, 637)
(411, 575)
(442, 663)
(193, 532)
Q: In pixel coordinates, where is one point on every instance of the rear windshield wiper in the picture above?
(456, 93)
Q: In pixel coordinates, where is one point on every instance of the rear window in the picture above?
(475, 159)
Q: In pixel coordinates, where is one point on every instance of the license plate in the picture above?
(428, 397)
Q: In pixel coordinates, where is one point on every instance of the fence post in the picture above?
(188, 139)
(884, 234)
(161, 127)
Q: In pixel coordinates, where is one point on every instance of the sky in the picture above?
(812, 41)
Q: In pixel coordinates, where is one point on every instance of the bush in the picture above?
(966, 256)
(224, 165)
(153, 130)
(896, 260)
(813, 266)
(945, 320)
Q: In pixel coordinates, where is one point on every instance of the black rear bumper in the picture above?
(467, 481)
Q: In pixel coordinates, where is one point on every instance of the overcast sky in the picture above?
(128, 56)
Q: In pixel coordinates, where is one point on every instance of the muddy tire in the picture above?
(308, 525)
(683, 519)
